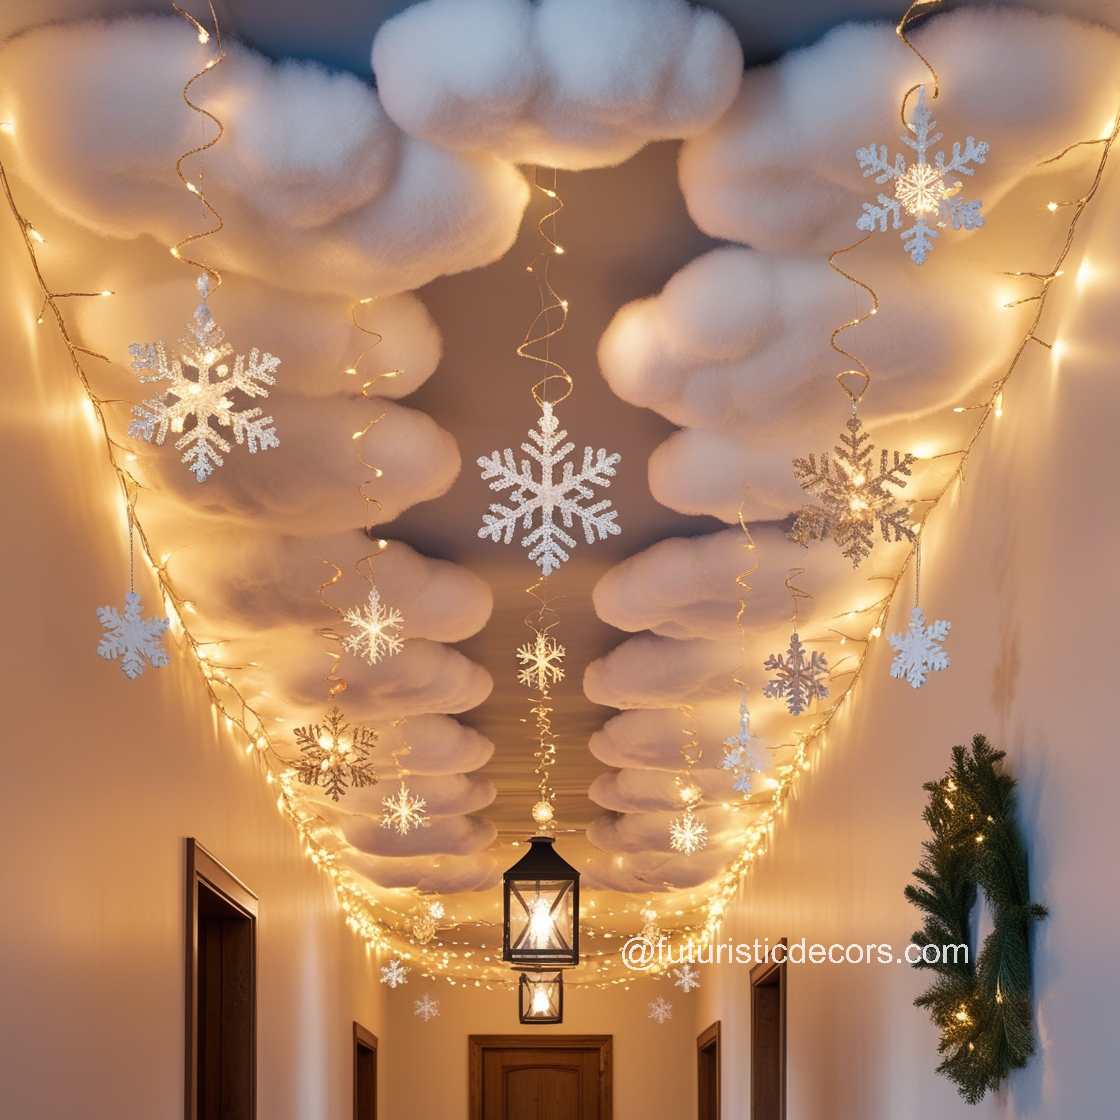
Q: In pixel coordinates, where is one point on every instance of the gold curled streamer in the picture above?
(355, 369)
(336, 685)
(196, 188)
(795, 592)
(745, 589)
(912, 13)
(862, 374)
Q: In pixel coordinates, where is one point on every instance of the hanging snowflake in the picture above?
(923, 190)
(394, 974)
(651, 930)
(799, 680)
(376, 629)
(688, 834)
(542, 660)
(131, 637)
(426, 1008)
(853, 497)
(738, 757)
(404, 811)
(687, 978)
(335, 755)
(206, 396)
(423, 927)
(660, 1010)
(548, 542)
(918, 651)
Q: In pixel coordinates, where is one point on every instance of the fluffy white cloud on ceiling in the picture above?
(448, 874)
(563, 83)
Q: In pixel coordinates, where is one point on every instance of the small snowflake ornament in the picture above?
(375, 629)
(394, 974)
(542, 661)
(426, 1008)
(924, 191)
(852, 495)
(205, 398)
(131, 637)
(404, 811)
(660, 1010)
(918, 651)
(738, 757)
(335, 755)
(687, 833)
(798, 680)
(687, 978)
(545, 496)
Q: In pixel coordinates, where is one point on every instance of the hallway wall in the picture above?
(103, 779)
(1023, 561)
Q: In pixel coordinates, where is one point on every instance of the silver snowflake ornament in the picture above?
(131, 637)
(660, 1010)
(394, 974)
(557, 489)
(426, 1008)
(853, 498)
(918, 651)
(924, 190)
(738, 757)
(206, 398)
(375, 629)
(687, 978)
(798, 680)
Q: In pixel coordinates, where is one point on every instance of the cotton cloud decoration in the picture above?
(642, 791)
(564, 83)
(456, 835)
(446, 874)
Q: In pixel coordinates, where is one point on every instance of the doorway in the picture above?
(708, 1073)
(540, 1077)
(365, 1074)
(768, 1040)
(221, 1003)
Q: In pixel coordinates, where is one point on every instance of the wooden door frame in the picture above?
(204, 868)
(760, 974)
(603, 1044)
(368, 1039)
(703, 1042)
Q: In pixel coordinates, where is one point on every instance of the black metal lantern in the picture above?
(541, 927)
(540, 997)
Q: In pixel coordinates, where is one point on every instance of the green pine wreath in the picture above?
(981, 1008)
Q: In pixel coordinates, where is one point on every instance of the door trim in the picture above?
(708, 1039)
(762, 973)
(364, 1037)
(602, 1044)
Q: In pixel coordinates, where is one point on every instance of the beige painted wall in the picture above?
(426, 1063)
(1024, 563)
(103, 778)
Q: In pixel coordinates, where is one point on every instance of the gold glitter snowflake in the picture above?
(688, 834)
(335, 755)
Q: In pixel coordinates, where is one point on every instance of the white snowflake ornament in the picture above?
(918, 651)
(394, 974)
(404, 811)
(660, 1010)
(687, 978)
(376, 629)
(925, 191)
(542, 663)
(687, 833)
(738, 757)
(206, 397)
(131, 637)
(543, 497)
(426, 1008)
(799, 680)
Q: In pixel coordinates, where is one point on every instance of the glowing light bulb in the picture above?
(540, 924)
(1051, 206)
(8, 128)
(203, 35)
(35, 235)
(540, 1001)
(106, 292)
(998, 404)
(558, 250)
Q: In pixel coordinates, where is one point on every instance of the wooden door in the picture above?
(768, 1041)
(543, 1077)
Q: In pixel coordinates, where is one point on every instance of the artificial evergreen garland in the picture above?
(982, 1008)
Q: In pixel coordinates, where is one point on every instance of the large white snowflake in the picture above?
(660, 1010)
(567, 494)
(738, 756)
(376, 629)
(923, 190)
(799, 680)
(426, 1008)
(687, 833)
(542, 660)
(131, 637)
(918, 651)
(404, 811)
(205, 398)
(687, 978)
(394, 974)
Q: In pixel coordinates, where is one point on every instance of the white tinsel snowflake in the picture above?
(206, 396)
(404, 811)
(687, 978)
(687, 833)
(660, 1010)
(542, 661)
(426, 1008)
(548, 542)
(132, 638)
(922, 189)
(737, 754)
(918, 651)
(799, 679)
(394, 974)
(376, 629)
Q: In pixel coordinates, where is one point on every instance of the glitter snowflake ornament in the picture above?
(205, 398)
(853, 498)
(798, 679)
(925, 191)
(131, 638)
(660, 1010)
(335, 755)
(394, 974)
(688, 834)
(426, 1008)
(918, 652)
(375, 629)
(404, 811)
(544, 497)
(687, 978)
(738, 756)
(542, 663)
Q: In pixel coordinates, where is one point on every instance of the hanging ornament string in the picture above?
(687, 833)
(744, 589)
(861, 375)
(916, 11)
